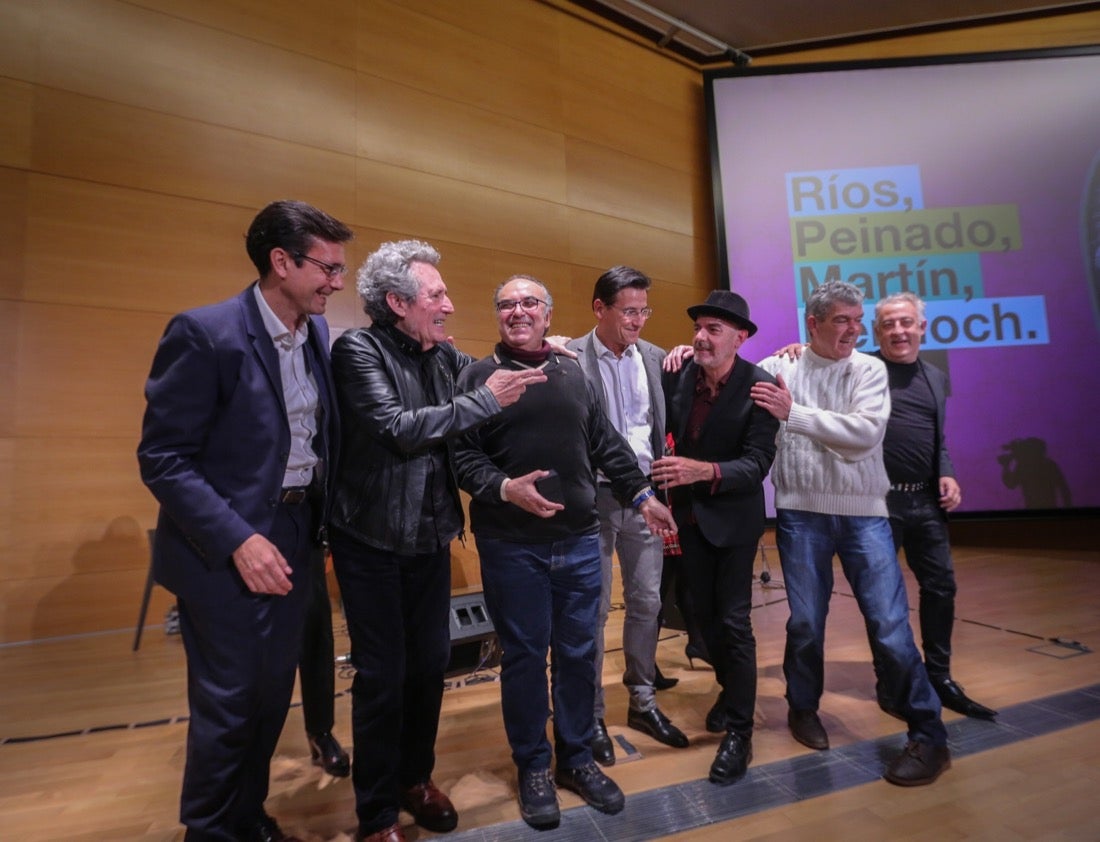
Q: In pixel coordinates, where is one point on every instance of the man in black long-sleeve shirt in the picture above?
(922, 487)
(531, 471)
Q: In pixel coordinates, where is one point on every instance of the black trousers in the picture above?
(317, 666)
(397, 608)
(919, 525)
(720, 579)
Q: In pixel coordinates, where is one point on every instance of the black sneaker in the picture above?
(593, 786)
(538, 800)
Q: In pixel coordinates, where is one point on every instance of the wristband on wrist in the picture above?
(641, 497)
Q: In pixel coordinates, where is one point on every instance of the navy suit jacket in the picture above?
(740, 437)
(215, 439)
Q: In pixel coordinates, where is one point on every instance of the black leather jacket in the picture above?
(391, 425)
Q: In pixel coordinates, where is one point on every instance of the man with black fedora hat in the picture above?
(724, 447)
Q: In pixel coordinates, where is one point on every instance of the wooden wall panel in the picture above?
(118, 52)
(434, 208)
(80, 137)
(72, 493)
(606, 181)
(323, 29)
(426, 132)
(110, 247)
(82, 371)
(515, 77)
(15, 123)
(13, 232)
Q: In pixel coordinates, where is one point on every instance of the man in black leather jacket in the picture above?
(395, 512)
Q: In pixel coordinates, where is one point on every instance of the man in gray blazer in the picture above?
(626, 371)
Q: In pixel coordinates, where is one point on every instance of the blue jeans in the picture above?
(545, 596)
(807, 542)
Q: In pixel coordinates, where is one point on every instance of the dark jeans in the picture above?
(545, 596)
(807, 542)
(317, 666)
(242, 650)
(720, 579)
(919, 525)
(397, 609)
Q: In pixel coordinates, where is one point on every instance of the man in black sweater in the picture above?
(531, 471)
(922, 487)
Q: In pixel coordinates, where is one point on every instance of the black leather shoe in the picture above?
(717, 721)
(953, 698)
(732, 760)
(918, 764)
(268, 830)
(660, 682)
(327, 753)
(603, 750)
(430, 807)
(806, 727)
(658, 726)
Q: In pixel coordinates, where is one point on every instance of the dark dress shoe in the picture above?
(660, 682)
(327, 753)
(268, 830)
(658, 726)
(732, 760)
(806, 727)
(919, 764)
(603, 750)
(953, 698)
(717, 721)
(430, 807)
(393, 833)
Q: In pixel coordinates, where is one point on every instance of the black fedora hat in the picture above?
(725, 305)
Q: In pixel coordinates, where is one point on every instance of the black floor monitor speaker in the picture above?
(473, 639)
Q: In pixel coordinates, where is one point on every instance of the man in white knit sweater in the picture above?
(830, 496)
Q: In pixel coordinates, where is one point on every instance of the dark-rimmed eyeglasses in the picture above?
(528, 303)
(633, 312)
(331, 270)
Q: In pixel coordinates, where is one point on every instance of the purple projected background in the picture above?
(980, 176)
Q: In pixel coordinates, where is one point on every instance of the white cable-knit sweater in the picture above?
(829, 457)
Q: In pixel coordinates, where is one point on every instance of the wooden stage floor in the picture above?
(117, 777)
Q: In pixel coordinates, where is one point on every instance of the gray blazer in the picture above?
(652, 356)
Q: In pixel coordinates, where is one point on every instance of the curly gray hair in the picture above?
(386, 270)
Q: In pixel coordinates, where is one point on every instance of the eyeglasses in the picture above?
(331, 270)
(529, 303)
(633, 312)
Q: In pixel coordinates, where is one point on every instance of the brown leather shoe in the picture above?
(393, 833)
(430, 807)
(919, 764)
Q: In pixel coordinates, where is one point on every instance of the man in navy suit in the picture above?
(240, 429)
(725, 445)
